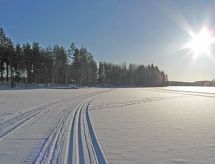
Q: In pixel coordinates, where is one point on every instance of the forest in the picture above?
(30, 64)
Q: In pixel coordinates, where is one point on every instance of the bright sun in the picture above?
(201, 42)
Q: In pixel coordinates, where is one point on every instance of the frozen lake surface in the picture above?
(127, 125)
(156, 125)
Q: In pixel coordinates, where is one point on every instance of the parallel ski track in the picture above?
(12, 123)
(53, 146)
(73, 123)
(84, 147)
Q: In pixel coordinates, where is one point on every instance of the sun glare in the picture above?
(201, 42)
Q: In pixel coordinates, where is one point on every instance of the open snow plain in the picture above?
(156, 125)
(48, 126)
(127, 125)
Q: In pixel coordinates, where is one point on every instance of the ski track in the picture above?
(84, 146)
(71, 140)
(52, 148)
(14, 122)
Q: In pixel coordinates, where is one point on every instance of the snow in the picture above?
(197, 89)
(95, 125)
(154, 126)
(35, 124)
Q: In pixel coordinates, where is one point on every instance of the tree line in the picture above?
(32, 64)
(133, 75)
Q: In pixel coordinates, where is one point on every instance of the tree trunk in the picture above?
(7, 72)
(2, 76)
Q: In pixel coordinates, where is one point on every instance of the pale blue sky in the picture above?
(140, 31)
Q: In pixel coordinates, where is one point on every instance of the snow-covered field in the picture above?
(47, 126)
(156, 125)
(94, 125)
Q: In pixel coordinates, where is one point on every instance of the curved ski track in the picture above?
(72, 140)
(84, 147)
